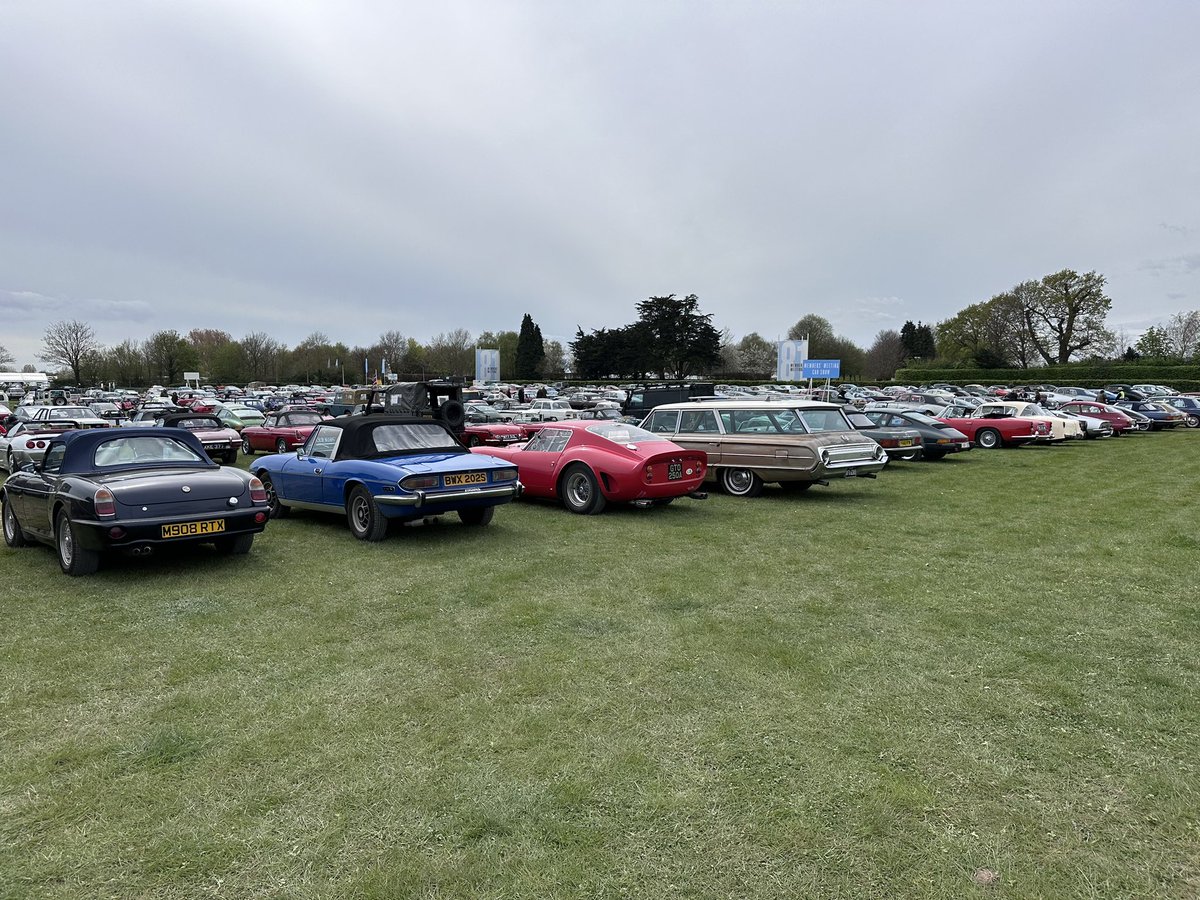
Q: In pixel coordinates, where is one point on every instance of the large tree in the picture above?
(6, 360)
(69, 343)
(1066, 315)
(451, 353)
(918, 340)
(682, 340)
(531, 350)
(260, 354)
(606, 352)
(818, 331)
(555, 363)
(126, 363)
(168, 356)
(208, 344)
(887, 354)
(1183, 330)
(756, 355)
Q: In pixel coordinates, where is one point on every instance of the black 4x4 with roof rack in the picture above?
(644, 398)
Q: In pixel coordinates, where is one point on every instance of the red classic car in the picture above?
(989, 431)
(280, 432)
(219, 442)
(587, 465)
(496, 434)
(1118, 418)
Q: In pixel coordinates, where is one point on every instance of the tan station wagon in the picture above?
(795, 443)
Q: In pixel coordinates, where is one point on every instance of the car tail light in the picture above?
(648, 474)
(258, 493)
(105, 503)
(504, 475)
(416, 482)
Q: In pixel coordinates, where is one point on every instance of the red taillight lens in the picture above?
(105, 502)
(419, 482)
(649, 474)
(258, 493)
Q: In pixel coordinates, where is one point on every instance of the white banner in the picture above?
(487, 365)
(789, 361)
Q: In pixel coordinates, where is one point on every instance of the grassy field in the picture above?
(976, 677)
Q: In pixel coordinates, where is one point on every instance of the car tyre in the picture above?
(474, 440)
(362, 513)
(1192, 421)
(580, 491)
(477, 517)
(235, 544)
(230, 458)
(741, 482)
(281, 446)
(60, 401)
(10, 462)
(73, 558)
(276, 509)
(987, 439)
(247, 450)
(13, 535)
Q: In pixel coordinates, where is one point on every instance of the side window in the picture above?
(54, 457)
(322, 443)
(698, 420)
(271, 422)
(663, 421)
(548, 440)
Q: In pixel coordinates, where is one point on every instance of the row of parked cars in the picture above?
(137, 488)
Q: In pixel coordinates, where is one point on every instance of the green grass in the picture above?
(872, 690)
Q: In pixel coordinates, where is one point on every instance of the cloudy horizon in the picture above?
(361, 167)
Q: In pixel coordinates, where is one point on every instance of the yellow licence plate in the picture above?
(905, 442)
(191, 529)
(465, 478)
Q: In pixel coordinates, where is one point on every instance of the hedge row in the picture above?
(1077, 374)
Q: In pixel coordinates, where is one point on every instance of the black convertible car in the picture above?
(131, 489)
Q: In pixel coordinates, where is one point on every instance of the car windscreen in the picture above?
(304, 418)
(624, 434)
(858, 420)
(73, 412)
(133, 449)
(412, 437)
(201, 423)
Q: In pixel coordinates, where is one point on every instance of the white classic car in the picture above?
(1060, 429)
(545, 409)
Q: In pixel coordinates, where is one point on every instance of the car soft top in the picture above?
(81, 446)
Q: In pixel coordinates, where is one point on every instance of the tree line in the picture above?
(1059, 318)
(164, 356)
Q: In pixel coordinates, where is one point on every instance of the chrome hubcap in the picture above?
(580, 490)
(738, 480)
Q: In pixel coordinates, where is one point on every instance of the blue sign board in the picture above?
(822, 368)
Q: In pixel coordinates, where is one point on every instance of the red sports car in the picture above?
(590, 464)
(1118, 418)
(991, 431)
(280, 432)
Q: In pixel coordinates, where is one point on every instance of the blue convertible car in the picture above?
(375, 468)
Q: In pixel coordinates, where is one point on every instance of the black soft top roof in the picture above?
(81, 446)
(357, 442)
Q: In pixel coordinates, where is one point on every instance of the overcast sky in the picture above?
(353, 167)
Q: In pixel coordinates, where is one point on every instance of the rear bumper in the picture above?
(97, 535)
(423, 499)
